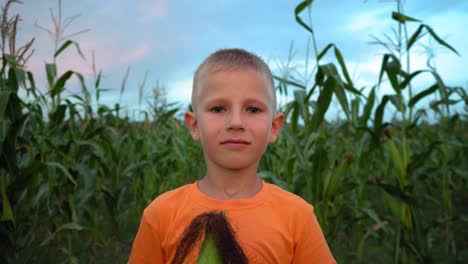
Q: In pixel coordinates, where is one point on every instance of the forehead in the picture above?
(246, 81)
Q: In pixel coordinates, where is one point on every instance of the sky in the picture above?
(168, 39)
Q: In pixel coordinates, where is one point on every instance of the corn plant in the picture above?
(75, 174)
(341, 181)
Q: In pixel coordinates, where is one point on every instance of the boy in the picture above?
(234, 117)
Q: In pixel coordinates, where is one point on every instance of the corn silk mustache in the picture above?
(219, 244)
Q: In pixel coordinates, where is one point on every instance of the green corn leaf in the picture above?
(408, 78)
(299, 96)
(403, 18)
(51, 71)
(417, 160)
(162, 119)
(63, 169)
(414, 37)
(98, 80)
(419, 113)
(6, 207)
(349, 86)
(417, 33)
(134, 166)
(355, 103)
(311, 92)
(341, 95)
(330, 71)
(298, 10)
(14, 107)
(368, 108)
(274, 179)
(462, 93)
(444, 101)
(4, 63)
(423, 94)
(287, 81)
(8, 59)
(5, 125)
(20, 77)
(396, 193)
(4, 98)
(324, 51)
(392, 67)
(439, 40)
(65, 45)
(32, 83)
(397, 101)
(319, 77)
(13, 83)
(84, 89)
(385, 59)
(58, 115)
(292, 137)
(97, 131)
(295, 116)
(397, 160)
(378, 115)
(60, 84)
(67, 226)
(323, 103)
(333, 180)
(372, 214)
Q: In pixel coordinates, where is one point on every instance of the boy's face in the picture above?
(234, 118)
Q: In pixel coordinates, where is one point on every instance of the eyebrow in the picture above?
(220, 100)
(256, 101)
(214, 100)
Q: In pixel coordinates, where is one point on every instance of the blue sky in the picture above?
(169, 38)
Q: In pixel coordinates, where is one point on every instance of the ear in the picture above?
(191, 121)
(277, 124)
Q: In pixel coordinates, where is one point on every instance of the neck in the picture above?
(225, 184)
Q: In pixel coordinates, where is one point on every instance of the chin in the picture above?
(236, 165)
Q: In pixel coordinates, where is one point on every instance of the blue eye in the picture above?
(253, 110)
(217, 109)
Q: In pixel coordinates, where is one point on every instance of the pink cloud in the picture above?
(106, 56)
(135, 54)
(110, 54)
(151, 10)
(158, 8)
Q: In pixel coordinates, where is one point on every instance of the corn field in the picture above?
(75, 176)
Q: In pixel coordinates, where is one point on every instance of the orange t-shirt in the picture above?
(274, 226)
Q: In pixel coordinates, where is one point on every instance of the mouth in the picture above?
(235, 142)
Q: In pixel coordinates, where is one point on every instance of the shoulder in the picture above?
(167, 202)
(288, 200)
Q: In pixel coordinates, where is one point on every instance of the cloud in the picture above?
(135, 54)
(149, 11)
(180, 91)
(369, 21)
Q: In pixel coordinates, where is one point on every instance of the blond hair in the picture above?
(228, 60)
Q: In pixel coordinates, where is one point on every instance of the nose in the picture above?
(236, 120)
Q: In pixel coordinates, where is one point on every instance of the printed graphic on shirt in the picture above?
(219, 243)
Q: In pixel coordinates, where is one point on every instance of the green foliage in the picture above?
(381, 188)
(75, 177)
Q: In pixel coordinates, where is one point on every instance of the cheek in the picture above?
(262, 128)
(209, 125)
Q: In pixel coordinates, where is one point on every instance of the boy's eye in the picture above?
(253, 110)
(217, 109)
